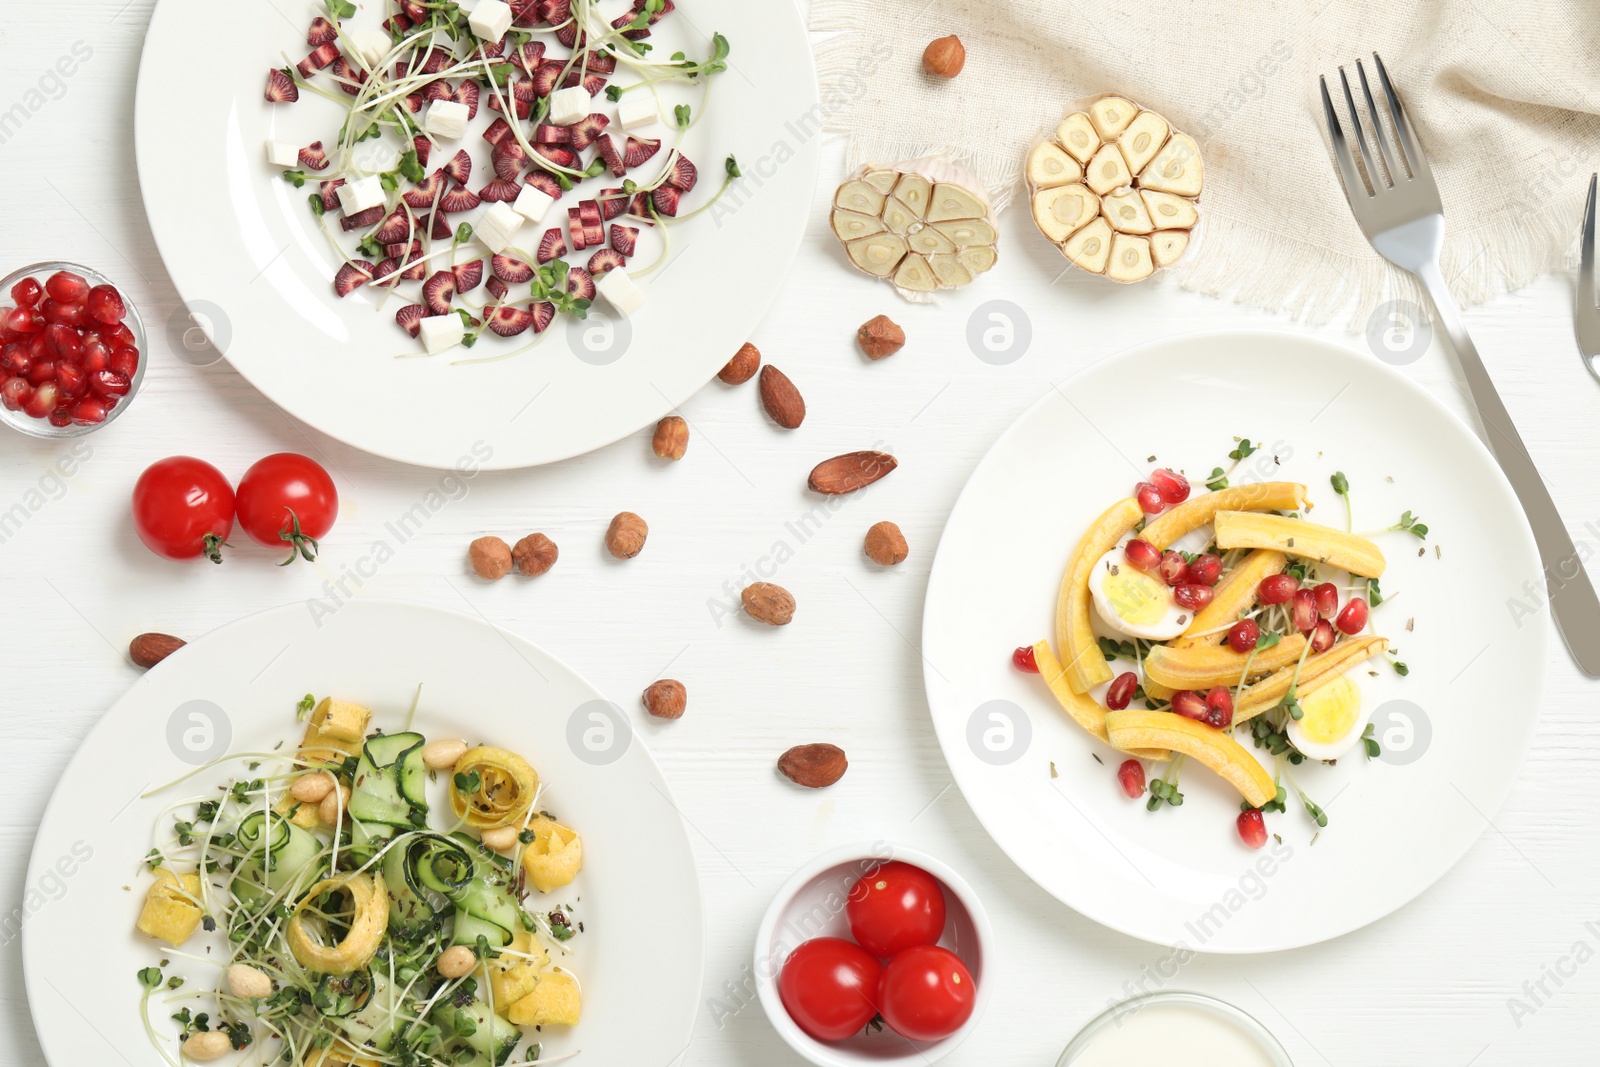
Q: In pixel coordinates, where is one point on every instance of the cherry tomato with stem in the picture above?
(287, 498)
(829, 987)
(926, 993)
(182, 508)
(896, 907)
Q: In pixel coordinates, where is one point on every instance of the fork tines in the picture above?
(1401, 156)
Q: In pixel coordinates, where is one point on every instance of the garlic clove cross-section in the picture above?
(1107, 170)
(1049, 165)
(1168, 246)
(851, 225)
(1130, 258)
(1126, 212)
(1143, 139)
(1061, 211)
(1077, 135)
(1111, 115)
(1090, 247)
(1169, 211)
(1176, 168)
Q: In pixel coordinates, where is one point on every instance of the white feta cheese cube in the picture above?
(637, 109)
(439, 332)
(532, 204)
(370, 43)
(361, 194)
(620, 292)
(497, 226)
(282, 155)
(569, 105)
(490, 20)
(446, 120)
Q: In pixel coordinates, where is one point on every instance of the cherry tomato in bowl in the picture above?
(182, 508)
(288, 499)
(894, 908)
(926, 993)
(829, 987)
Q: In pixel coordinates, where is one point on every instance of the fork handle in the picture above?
(1572, 596)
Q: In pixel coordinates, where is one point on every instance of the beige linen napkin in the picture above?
(1505, 98)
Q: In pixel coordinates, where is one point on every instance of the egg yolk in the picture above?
(1135, 596)
(1331, 711)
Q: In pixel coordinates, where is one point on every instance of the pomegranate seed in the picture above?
(26, 292)
(1327, 595)
(60, 417)
(125, 360)
(43, 400)
(15, 393)
(1219, 707)
(1024, 660)
(1131, 775)
(1277, 588)
(1252, 828)
(1140, 553)
(1205, 570)
(1322, 636)
(1243, 635)
(67, 287)
(43, 370)
(39, 346)
(1353, 619)
(110, 383)
(15, 358)
(1149, 498)
(1172, 567)
(1304, 611)
(95, 356)
(1189, 704)
(65, 314)
(23, 320)
(1174, 487)
(104, 304)
(1121, 691)
(1193, 597)
(117, 335)
(90, 410)
(71, 379)
(63, 341)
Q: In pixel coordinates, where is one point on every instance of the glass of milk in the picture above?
(1149, 1029)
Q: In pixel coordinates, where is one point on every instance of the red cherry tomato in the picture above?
(288, 498)
(896, 907)
(926, 993)
(829, 987)
(183, 508)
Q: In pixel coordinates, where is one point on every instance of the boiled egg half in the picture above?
(1335, 715)
(1134, 603)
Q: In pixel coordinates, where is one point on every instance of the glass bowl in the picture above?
(21, 420)
(1250, 1033)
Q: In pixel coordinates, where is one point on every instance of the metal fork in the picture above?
(1585, 313)
(1404, 219)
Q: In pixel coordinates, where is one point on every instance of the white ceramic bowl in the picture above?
(1244, 1023)
(811, 904)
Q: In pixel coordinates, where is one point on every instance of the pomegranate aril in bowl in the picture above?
(71, 350)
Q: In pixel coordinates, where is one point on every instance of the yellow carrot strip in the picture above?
(1215, 748)
(1197, 511)
(1203, 666)
(1297, 537)
(1233, 596)
(1318, 671)
(1080, 707)
(1086, 666)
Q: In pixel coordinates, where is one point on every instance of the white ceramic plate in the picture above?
(640, 955)
(1457, 727)
(246, 256)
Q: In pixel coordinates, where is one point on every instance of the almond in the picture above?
(147, 650)
(768, 603)
(849, 472)
(781, 399)
(743, 366)
(814, 766)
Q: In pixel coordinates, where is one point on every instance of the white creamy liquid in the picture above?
(1173, 1033)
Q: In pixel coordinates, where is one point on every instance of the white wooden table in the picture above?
(1489, 967)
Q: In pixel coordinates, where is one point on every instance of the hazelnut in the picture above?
(880, 337)
(743, 366)
(666, 699)
(672, 438)
(768, 603)
(625, 536)
(886, 545)
(490, 557)
(945, 57)
(534, 555)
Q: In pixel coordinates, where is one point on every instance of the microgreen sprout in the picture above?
(1341, 485)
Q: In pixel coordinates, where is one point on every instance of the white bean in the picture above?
(206, 1045)
(247, 982)
(442, 755)
(501, 838)
(311, 788)
(456, 961)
